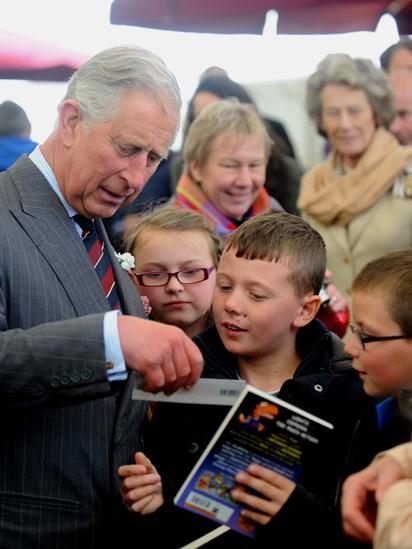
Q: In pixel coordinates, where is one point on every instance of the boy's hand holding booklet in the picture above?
(259, 428)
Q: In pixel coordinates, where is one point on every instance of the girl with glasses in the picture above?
(176, 253)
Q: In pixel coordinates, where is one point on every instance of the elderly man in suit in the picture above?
(70, 349)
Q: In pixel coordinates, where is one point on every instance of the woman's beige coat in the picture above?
(384, 227)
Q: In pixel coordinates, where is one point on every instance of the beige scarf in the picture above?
(334, 199)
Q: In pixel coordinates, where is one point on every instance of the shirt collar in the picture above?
(38, 159)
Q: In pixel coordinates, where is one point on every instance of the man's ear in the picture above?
(195, 171)
(70, 118)
(308, 310)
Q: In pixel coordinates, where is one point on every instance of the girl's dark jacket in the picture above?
(325, 385)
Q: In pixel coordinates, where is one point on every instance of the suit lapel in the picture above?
(128, 294)
(47, 224)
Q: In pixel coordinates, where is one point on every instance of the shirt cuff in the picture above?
(116, 366)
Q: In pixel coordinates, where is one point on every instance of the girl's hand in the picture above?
(141, 487)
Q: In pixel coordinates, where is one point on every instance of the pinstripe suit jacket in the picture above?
(63, 430)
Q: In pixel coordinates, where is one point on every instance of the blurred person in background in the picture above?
(401, 125)
(397, 56)
(15, 130)
(283, 173)
(226, 153)
(359, 197)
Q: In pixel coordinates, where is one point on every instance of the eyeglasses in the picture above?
(366, 338)
(185, 276)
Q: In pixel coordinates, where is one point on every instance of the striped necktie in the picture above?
(99, 257)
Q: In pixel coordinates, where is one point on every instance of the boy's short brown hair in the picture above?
(279, 236)
(390, 276)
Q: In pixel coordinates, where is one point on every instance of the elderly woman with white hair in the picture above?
(360, 197)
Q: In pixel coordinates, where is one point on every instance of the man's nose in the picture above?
(136, 173)
(395, 125)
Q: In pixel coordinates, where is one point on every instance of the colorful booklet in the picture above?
(259, 428)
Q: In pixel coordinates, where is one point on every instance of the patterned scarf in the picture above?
(190, 195)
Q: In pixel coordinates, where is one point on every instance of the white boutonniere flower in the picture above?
(126, 260)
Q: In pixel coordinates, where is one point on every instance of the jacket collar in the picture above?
(319, 349)
(46, 222)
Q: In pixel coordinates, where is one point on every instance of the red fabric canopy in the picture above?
(248, 16)
(26, 58)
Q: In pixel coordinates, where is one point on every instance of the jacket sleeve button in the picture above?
(193, 448)
(54, 382)
(318, 388)
(86, 374)
(65, 379)
(75, 377)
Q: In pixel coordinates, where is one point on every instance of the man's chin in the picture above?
(103, 212)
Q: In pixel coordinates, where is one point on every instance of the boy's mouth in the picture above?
(233, 327)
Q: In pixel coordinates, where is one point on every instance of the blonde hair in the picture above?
(225, 116)
(175, 219)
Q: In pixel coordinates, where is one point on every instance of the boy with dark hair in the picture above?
(264, 305)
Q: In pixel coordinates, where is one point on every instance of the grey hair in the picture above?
(357, 73)
(99, 84)
(225, 116)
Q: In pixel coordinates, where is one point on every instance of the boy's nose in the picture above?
(352, 346)
(232, 305)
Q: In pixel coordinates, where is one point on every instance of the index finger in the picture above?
(357, 526)
(356, 503)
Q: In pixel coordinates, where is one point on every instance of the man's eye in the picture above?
(125, 151)
(153, 159)
(258, 297)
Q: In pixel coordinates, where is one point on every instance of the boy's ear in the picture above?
(70, 117)
(308, 310)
